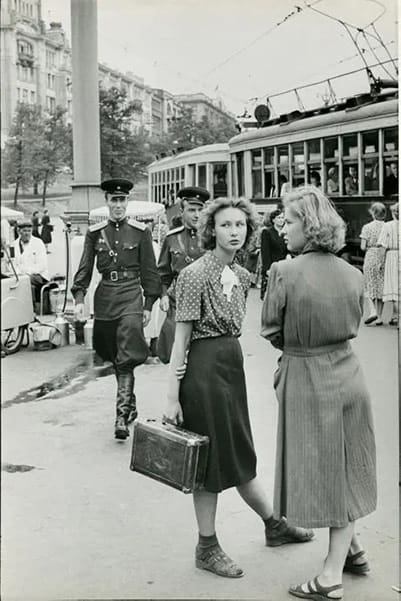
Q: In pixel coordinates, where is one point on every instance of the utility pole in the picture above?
(86, 193)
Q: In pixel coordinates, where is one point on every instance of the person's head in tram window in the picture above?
(192, 202)
(315, 179)
(312, 222)
(227, 223)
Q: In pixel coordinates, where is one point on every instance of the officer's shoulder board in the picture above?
(175, 230)
(98, 226)
(137, 224)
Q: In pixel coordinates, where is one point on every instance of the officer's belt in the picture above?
(120, 274)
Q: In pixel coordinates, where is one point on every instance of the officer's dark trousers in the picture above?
(121, 341)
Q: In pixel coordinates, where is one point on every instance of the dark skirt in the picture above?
(214, 402)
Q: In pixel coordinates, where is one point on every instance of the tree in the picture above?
(38, 146)
(185, 133)
(55, 149)
(17, 165)
(123, 152)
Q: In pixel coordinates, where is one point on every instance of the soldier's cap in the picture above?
(24, 223)
(117, 186)
(194, 194)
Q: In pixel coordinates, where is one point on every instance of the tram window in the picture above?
(202, 176)
(191, 169)
(390, 178)
(269, 183)
(371, 175)
(283, 157)
(182, 175)
(390, 139)
(268, 156)
(257, 174)
(331, 148)
(370, 142)
(219, 180)
(313, 150)
(351, 179)
(350, 146)
(284, 184)
(298, 169)
(332, 179)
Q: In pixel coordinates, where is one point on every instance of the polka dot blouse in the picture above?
(200, 298)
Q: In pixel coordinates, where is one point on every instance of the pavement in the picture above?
(78, 524)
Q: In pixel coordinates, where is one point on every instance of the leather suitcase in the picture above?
(169, 454)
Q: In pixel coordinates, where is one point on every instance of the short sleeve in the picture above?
(384, 237)
(188, 295)
(273, 308)
(245, 280)
(364, 233)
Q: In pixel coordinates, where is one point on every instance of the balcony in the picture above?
(25, 59)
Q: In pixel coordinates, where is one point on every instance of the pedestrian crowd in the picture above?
(202, 270)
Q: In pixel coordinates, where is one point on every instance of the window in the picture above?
(19, 94)
(370, 161)
(24, 95)
(50, 81)
(240, 173)
(191, 171)
(268, 161)
(283, 170)
(257, 174)
(390, 138)
(50, 104)
(50, 58)
(32, 97)
(202, 176)
(219, 180)
(350, 147)
(298, 165)
(390, 167)
(331, 169)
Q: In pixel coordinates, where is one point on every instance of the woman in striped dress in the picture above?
(211, 399)
(325, 460)
(389, 240)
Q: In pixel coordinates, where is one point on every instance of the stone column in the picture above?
(86, 194)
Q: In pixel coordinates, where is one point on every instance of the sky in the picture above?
(242, 51)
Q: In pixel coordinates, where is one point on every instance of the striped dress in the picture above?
(389, 239)
(325, 458)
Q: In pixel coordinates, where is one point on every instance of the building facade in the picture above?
(36, 69)
(203, 106)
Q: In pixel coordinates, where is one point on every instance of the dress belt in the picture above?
(299, 351)
(120, 274)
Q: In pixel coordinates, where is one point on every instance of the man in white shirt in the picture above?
(31, 259)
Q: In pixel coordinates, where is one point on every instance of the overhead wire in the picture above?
(372, 25)
(297, 10)
(376, 57)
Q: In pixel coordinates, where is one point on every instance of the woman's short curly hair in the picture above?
(377, 210)
(207, 219)
(395, 209)
(323, 227)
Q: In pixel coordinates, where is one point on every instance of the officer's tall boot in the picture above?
(133, 413)
(125, 386)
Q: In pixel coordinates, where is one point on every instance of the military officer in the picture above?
(124, 256)
(180, 248)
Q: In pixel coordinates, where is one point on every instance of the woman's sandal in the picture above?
(316, 593)
(216, 561)
(356, 568)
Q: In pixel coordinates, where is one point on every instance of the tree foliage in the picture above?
(124, 153)
(39, 145)
(185, 133)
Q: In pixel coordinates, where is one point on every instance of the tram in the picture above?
(350, 150)
(205, 166)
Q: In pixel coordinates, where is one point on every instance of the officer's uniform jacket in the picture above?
(180, 248)
(124, 256)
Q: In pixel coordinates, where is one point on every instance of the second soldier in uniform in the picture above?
(180, 248)
(124, 256)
